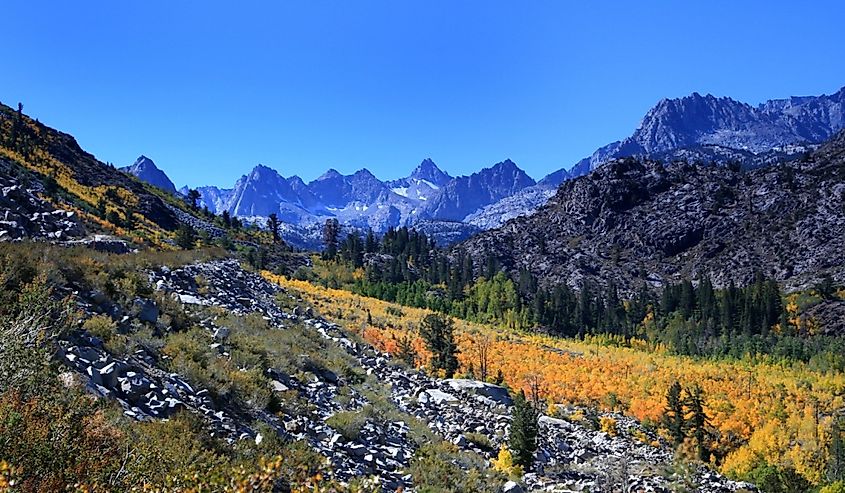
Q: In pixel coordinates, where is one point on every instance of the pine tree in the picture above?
(371, 245)
(186, 236)
(825, 287)
(694, 402)
(437, 332)
(406, 351)
(673, 415)
(193, 196)
(523, 432)
(500, 377)
(331, 230)
(273, 225)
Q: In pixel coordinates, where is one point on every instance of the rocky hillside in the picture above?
(639, 221)
(25, 215)
(363, 429)
(81, 181)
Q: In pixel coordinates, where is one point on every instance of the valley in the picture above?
(670, 319)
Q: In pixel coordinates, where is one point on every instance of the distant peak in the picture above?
(427, 170)
(364, 172)
(261, 167)
(145, 169)
(296, 180)
(262, 171)
(507, 163)
(144, 161)
(331, 173)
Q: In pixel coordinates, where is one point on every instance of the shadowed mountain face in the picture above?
(466, 194)
(145, 169)
(638, 221)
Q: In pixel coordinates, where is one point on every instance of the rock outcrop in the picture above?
(24, 214)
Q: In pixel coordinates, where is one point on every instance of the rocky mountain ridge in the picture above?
(636, 221)
(695, 128)
(705, 129)
(427, 198)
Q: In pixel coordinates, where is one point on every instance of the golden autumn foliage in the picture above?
(608, 425)
(504, 463)
(769, 411)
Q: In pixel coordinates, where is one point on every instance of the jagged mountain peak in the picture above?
(143, 161)
(506, 164)
(429, 171)
(261, 170)
(146, 170)
(364, 173)
(330, 174)
(464, 195)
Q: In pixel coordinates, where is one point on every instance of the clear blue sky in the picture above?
(209, 89)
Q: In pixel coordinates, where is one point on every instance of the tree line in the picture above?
(405, 266)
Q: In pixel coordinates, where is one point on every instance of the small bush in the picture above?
(349, 423)
(505, 465)
(837, 487)
(101, 326)
(608, 425)
(441, 467)
(479, 440)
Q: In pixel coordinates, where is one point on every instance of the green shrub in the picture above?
(349, 423)
(479, 440)
(101, 326)
(442, 468)
(837, 487)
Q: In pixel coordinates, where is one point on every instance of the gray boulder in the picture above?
(512, 487)
(145, 310)
(496, 393)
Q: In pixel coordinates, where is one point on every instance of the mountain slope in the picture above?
(633, 222)
(85, 182)
(466, 194)
(145, 169)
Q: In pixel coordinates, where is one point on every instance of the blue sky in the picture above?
(210, 89)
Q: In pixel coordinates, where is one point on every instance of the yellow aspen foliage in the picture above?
(504, 463)
(608, 425)
(837, 487)
(759, 407)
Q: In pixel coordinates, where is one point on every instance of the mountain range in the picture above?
(694, 128)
